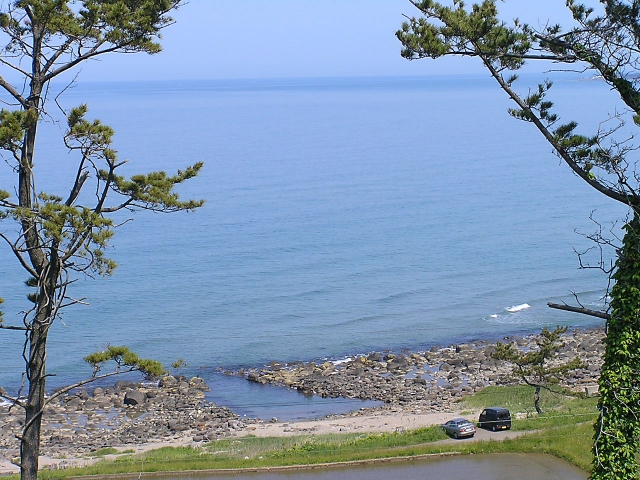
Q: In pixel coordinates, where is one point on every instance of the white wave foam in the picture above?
(517, 308)
(344, 360)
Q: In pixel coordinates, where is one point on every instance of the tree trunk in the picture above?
(616, 431)
(48, 271)
(36, 369)
(36, 375)
(536, 400)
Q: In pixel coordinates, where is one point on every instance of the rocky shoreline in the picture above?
(174, 409)
(123, 415)
(433, 380)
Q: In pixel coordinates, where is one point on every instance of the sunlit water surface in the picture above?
(342, 216)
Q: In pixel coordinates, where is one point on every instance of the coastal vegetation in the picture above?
(564, 430)
(538, 367)
(62, 234)
(602, 42)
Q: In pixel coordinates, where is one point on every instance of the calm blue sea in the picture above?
(342, 215)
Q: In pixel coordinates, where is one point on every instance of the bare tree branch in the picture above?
(585, 311)
(85, 382)
(10, 327)
(13, 92)
(16, 252)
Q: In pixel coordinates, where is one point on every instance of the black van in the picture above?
(495, 418)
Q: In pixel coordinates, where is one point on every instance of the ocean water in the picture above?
(342, 216)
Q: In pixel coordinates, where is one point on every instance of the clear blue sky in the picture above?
(215, 39)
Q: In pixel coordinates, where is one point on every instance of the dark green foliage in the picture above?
(605, 43)
(179, 363)
(477, 32)
(617, 431)
(123, 357)
(12, 125)
(460, 31)
(153, 191)
(536, 367)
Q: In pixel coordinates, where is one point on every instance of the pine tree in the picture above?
(606, 43)
(538, 367)
(63, 234)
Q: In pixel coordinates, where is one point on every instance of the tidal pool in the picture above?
(499, 466)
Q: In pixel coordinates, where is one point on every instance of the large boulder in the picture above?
(134, 397)
(177, 425)
(98, 391)
(122, 384)
(82, 394)
(374, 357)
(73, 403)
(199, 383)
(168, 381)
(255, 377)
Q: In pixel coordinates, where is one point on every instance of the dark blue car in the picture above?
(495, 418)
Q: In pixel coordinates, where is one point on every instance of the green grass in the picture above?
(517, 398)
(104, 451)
(110, 451)
(250, 452)
(564, 430)
(558, 409)
(571, 442)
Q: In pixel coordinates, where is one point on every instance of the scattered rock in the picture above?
(432, 380)
(167, 381)
(124, 415)
(133, 414)
(134, 397)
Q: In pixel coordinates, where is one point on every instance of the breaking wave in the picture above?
(517, 308)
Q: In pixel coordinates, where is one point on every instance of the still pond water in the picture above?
(478, 467)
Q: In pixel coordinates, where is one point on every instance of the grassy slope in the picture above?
(564, 430)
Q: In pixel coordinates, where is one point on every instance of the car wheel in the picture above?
(493, 428)
(455, 434)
